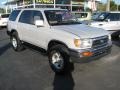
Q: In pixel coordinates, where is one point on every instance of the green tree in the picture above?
(113, 6)
(119, 7)
(101, 7)
(1, 10)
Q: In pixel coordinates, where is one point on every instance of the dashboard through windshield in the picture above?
(60, 17)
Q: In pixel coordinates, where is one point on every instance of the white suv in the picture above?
(59, 33)
(109, 21)
(3, 19)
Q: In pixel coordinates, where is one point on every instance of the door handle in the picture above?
(100, 24)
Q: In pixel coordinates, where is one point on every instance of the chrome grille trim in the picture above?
(100, 41)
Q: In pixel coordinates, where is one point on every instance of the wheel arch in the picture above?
(55, 42)
(12, 31)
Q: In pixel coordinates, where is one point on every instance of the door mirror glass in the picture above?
(39, 23)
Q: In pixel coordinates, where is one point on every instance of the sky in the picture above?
(1, 2)
(104, 1)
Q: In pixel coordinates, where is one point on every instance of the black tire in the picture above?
(115, 35)
(14, 38)
(62, 50)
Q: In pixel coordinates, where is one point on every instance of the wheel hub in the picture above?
(14, 42)
(57, 60)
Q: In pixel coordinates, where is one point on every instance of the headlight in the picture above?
(83, 43)
(77, 42)
(86, 43)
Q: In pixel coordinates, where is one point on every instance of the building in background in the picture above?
(91, 4)
(72, 5)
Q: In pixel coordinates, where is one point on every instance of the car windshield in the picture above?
(60, 17)
(101, 16)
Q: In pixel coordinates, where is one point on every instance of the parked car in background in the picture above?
(109, 21)
(95, 15)
(82, 16)
(60, 34)
(4, 19)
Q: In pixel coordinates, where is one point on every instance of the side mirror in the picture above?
(39, 23)
(107, 20)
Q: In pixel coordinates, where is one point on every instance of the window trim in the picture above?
(32, 15)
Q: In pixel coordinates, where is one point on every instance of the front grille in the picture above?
(100, 41)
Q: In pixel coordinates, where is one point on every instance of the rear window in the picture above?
(81, 15)
(14, 15)
(5, 15)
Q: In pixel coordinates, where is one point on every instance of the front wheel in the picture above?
(59, 59)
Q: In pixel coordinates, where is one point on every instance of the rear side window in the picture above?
(26, 17)
(14, 15)
(5, 15)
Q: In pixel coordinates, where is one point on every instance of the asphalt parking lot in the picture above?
(29, 70)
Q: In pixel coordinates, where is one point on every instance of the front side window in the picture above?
(26, 17)
(60, 17)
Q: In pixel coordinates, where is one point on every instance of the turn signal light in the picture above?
(87, 54)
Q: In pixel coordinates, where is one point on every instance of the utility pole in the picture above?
(6, 9)
(34, 4)
(71, 5)
(118, 5)
(54, 3)
(108, 5)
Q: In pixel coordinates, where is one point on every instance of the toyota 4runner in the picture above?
(59, 33)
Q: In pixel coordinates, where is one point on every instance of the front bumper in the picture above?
(75, 55)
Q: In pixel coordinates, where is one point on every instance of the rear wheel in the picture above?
(59, 59)
(16, 43)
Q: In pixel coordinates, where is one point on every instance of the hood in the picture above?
(82, 31)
